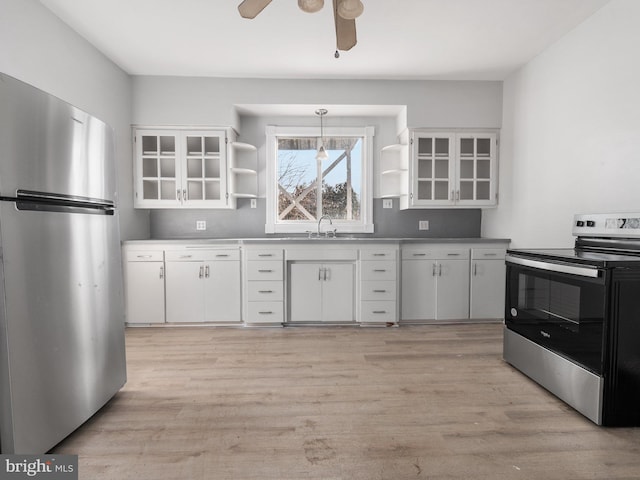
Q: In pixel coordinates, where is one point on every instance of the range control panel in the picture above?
(607, 225)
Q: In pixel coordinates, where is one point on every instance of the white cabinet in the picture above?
(445, 169)
(180, 168)
(321, 292)
(487, 283)
(435, 284)
(378, 285)
(144, 286)
(203, 286)
(264, 286)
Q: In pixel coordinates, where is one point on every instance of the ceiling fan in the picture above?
(345, 13)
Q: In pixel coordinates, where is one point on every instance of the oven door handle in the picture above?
(591, 272)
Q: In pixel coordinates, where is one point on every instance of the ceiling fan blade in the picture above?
(345, 30)
(251, 8)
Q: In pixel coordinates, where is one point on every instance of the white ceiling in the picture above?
(401, 39)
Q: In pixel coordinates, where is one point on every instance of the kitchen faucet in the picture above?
(330, 223)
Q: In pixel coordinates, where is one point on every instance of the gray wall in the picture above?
(39, 49)
(210, 101)
(246, 222)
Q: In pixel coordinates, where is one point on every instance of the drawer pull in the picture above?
(186, 256)
(380, 270)
(222, 255)
(265, 254)
(265, 271)
(379, 291)
(265, 313)
(265, 291)
(453, 254)
(143, 256)
(379, 254)
(489, 254)
(379, 311)
(419, 254)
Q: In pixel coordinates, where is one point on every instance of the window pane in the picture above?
(300, 178)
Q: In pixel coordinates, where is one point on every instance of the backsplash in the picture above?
(246, 222)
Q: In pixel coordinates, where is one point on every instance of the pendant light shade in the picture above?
(350, 9)
(310, 6)
(322, 153)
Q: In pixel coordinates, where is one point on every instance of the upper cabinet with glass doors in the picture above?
(181, 168)
(452, 169)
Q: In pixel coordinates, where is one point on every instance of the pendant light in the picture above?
(322, 153)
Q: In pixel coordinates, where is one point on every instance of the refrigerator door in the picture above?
(48, 145)
(61, 323)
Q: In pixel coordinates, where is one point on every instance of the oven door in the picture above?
(558, 306)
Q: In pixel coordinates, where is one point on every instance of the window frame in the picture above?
(274, 225)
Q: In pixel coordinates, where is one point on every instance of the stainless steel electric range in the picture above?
(572, 318)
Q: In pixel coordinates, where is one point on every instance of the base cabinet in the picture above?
(144, 286)
(203, 286)
(488, 272)
(378, 285)
(321, 292)
(435, 284)
(264, 286)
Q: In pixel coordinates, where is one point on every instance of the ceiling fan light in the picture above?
(350, 9)
(310, 6)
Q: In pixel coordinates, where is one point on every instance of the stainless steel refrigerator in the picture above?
(62, 354)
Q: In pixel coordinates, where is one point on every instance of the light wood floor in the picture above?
(423, 402)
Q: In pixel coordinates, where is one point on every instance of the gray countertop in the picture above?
(304, 239)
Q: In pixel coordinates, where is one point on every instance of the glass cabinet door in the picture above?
(476, 155)
(159, 175)
(203, 169)
(434, 166)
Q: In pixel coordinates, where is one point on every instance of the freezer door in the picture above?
(47, 145)
(61, 323)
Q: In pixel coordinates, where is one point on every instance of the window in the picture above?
(301, 189)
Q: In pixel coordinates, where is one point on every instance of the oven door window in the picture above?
(562, 312)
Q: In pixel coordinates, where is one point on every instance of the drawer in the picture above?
(453, 254)
(418, 254)
(201, 255)
(384, 270)
(265, 312)
(265, 254)
(145, 256)
(384, 290)
(378, 312)
(378, 254)
(262, 291)
(488, 253)
(264, 270)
